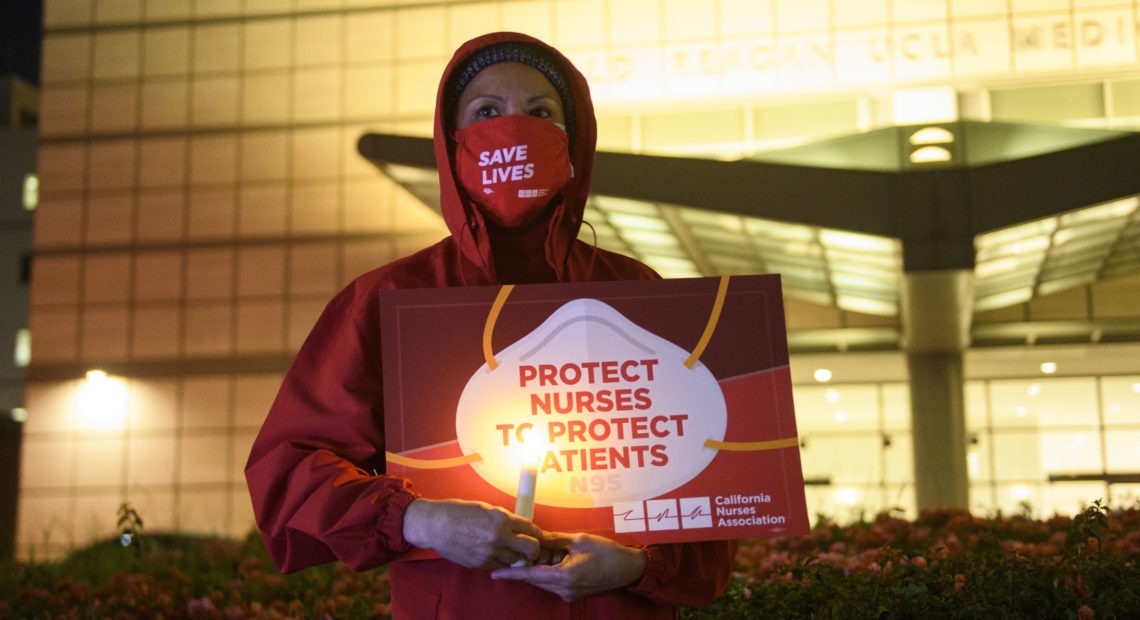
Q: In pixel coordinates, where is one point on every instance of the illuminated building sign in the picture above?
(899, 53)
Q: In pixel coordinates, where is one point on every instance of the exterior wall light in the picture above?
(101, 402)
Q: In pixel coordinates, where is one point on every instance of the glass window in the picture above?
(419, 35)
(106, 277)
(161, 215)
(577, 24)
(265, 98)
(1016, 498)
(977, 405)
(898, 464)
(214, 101)
(1066, 104)
(1044, 403)
(209, 273)
(165, 104)
(1121, 398)
(114, 108)
(217, 48)
(167, 51)
(109, 219)
(317, 95)
(1125, 104)
(117, 54)
(263, 155)
(466, 22)
(837, 408)
(319, 40)
(684, 20)
(415, 89)
(703, 128)
(208, 329)
(104, 333)
(162, 162)
(63, 110)
(112, 164)
(213, 159)
(1122, 449)
(66, 57)
(1070, 452)
(640, 21)
(267, 44)
(316, 154)
(200, 462)
(211, 213)
(313, 269)
(154, 332)
(368, 91)
(979, 451)
(1016, 456)
(260, 327)
(1069, 497)
(262, 210)
(781, 123)
(844, 460)
(261, 270)
(802, 15)
(315, 209)
(368, 37)
(57, 332)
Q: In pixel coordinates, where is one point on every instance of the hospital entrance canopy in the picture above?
(1030, 210)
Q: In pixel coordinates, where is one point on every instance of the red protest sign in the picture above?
(647, 411)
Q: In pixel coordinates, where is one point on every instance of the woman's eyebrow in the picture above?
(488, 96)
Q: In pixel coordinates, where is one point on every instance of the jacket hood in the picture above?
(463, 219)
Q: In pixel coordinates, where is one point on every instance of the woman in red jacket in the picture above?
(310, 470)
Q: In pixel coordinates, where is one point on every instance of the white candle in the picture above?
(524, 499)
(528, 479)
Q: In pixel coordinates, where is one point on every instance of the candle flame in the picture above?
(531, 448)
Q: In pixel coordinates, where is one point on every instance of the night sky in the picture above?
(21, 24)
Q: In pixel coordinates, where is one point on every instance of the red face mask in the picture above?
(512, 166)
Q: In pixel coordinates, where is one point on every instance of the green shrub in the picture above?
(945, 564)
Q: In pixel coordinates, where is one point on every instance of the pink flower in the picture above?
(1086, 613)
(959, 582)
(918, 561)
(199, 605)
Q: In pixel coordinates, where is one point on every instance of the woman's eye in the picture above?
(541, 112)
(487, 111)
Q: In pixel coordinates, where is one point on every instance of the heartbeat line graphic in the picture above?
(669, 514)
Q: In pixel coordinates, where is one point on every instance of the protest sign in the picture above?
(647, 411)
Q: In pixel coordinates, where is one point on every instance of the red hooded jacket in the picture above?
(311, 471)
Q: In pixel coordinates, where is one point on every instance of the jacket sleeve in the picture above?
(313, 497)
(691, 574)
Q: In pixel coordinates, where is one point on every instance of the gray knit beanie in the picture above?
(511, 51)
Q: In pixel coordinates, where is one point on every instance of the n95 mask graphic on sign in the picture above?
(609, 411)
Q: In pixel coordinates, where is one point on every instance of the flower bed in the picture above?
(946, 564)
